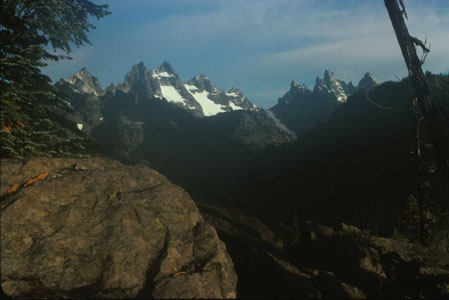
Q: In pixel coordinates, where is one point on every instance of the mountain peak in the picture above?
(368, 82)
(84, 82)
(328, 75)
(136, 79)
(166, 66)
(137, 71)
(202, 82)
(200, 78)
(295, 86)
(140, 67)
(235, 92)
(333, 87)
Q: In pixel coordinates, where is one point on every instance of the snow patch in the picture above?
(341, 97)
(210, 108)
(191, 87)
(159, 75)
(234, 106)
(171, 94)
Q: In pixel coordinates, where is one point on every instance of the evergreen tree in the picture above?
(31, 110)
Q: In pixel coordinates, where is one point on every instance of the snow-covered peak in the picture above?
(84, 82)
(199, 95)
(164, 71)
(332, 87)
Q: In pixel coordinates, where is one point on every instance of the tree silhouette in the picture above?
(31, 121)
(432, 150)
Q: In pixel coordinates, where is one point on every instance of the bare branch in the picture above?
(423, 57)
(385, 107)
(418, 42)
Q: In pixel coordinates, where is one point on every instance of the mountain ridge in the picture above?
(301, 108)
(198, 94)
(202, 98)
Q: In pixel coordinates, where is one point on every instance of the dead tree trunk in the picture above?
(438, 152)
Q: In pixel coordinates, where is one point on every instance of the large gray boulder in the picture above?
(94, 228)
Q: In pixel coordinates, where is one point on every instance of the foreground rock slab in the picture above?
(94, 228)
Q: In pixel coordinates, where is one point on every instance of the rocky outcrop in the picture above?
(94, 228)
(137, 79)
(310, 260)
(300, 109)
(256, 130)
(83, 82)
(250, 243)
(261, 265)
(377, 266)
(296, 91)
(203, 83)
(368, 82)
(329, 86)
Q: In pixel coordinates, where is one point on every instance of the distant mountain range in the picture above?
(300, 109)
(198, 95)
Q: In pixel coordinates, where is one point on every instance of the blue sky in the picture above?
(259, 46)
